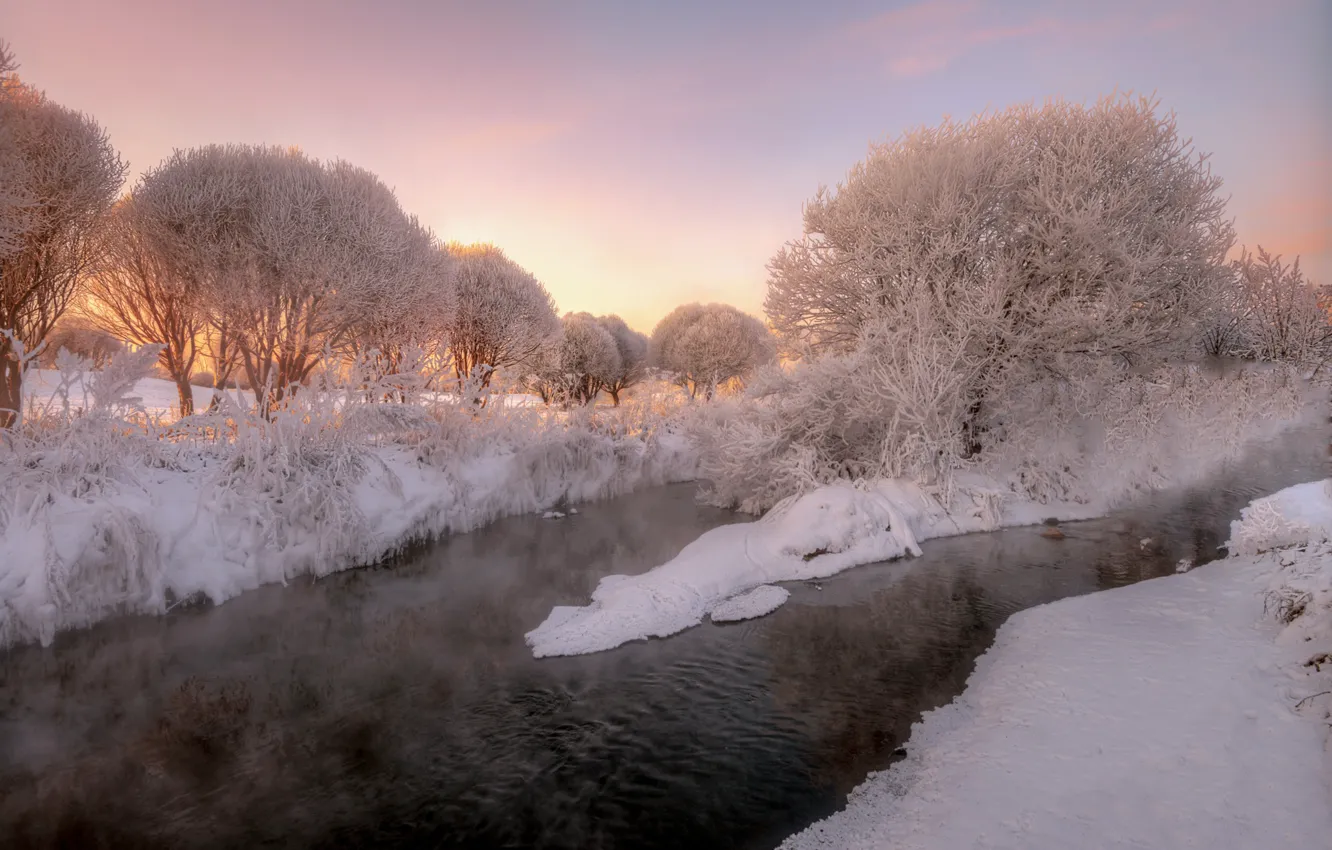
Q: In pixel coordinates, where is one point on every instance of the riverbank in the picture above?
(731, 573)
(96, 522)
(1183, 711)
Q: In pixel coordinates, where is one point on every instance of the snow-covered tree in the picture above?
(1283, 317)
(135, 297)
(60, 177)
(288, 254)
(16, 199)
(1034, 250)
(633, 349)
(504, 316)
(578, 364)
(1066, 230)
(702, 347)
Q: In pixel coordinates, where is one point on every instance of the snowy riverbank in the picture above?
(730, 573)
(1176, 712)
(98, 519)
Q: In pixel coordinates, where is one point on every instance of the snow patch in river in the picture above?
(812, 536)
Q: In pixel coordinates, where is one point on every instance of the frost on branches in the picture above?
(60, 176)
(1037, 271)
(288, 255)
(577, 364)
(702, 347)
(504, 316)
(632, 347)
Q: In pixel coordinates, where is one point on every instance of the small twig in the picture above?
(1311, 696)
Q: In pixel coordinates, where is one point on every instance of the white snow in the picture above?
(758, 602)
(816, 535)
(157, 396)
(1159, 715)
(1301, 514)
(97, 521)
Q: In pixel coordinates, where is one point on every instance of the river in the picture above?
(398, 706)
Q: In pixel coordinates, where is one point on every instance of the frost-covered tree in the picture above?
(16, 199)
(504, 316)
(702, 346)
(391, 333)
(288, 254)
(579, 364)
(135, 296)
(960, 266)
(1283, 317)
(1065, 230)
(60, 177)
(633, 350)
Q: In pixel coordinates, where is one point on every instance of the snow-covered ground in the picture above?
(1177, 712)
(159, 397)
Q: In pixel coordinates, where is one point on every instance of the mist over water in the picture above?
(399, 706)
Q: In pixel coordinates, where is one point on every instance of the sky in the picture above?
(638, 155)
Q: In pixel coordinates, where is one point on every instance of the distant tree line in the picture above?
(264, 265)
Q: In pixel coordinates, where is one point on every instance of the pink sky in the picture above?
(637, 156)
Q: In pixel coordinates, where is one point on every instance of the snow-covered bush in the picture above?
(703, 346)
(74, 547)
(579, 363)
(82, 338)
(106, 510)
(633, 350)
(60, 176)
(1282, 316)
(894, 408)
(504, 316)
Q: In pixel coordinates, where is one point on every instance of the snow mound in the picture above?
(814, 536)
(811, 536)
(1295, 516)
(759, 602)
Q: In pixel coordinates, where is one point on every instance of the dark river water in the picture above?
(399, 707)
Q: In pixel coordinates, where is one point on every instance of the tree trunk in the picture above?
(615, 397)
(186, 394)
(11, 389)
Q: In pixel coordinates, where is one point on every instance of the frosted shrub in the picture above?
(79, 456)
(1283, 317)
(1110, 432)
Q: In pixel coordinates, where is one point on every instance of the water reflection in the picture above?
(400, 707)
